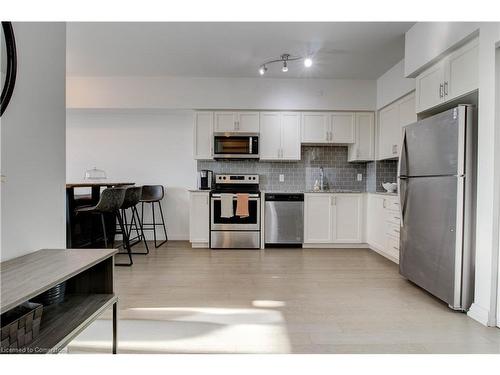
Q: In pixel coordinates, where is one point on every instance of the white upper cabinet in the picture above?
(280, 136)
(203, 128)
(348, 214)
(453, 76)
(430, 87)
(290, 136)
(244, 122)
(389, 131)
(315, 127)
(318, 218)
(328, 127)
(342, 127)
(247, 122)
(224, 122)
(391, 121)
(363, 148)
(463, 71)
(270, 135)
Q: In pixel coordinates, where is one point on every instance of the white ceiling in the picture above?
(350, 50)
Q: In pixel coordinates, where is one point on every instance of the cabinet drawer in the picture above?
(392, 229)
(392, 246)
(392, 204)
(393, 217)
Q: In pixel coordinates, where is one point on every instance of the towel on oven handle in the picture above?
(226, 205)
(242, 205)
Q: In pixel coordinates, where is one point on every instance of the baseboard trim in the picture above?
(479, 314)
(383, 253)
(198, 245)
(335, 246)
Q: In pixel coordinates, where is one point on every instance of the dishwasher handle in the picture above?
(284, 197)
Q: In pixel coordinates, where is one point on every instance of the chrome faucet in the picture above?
(321, 178)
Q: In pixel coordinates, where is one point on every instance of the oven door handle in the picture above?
(234, 198)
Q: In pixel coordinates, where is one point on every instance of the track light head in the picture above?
(262, 70)
(308, 62)
(285, 67)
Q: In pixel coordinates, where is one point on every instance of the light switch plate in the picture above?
(360, 177)
(282, 178)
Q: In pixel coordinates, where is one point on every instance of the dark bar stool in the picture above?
(133, 196)
(110, 202)
(153, 194)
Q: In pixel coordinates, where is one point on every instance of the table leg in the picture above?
(115, 323)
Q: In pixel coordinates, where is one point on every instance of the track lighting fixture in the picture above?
(284, 59)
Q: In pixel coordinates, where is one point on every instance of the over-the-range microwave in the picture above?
(236, 145)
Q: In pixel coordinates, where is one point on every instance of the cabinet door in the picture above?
(389, 132)
(462, 71)
(407, 114)
(315, 127)
(375, 223)
(199, 216)
(364, 148)
(318, 218)
(290, 136)
(270, 135)
(224, 122)
(348, 218)
(247, 122)
(430, 87)
(203, 127)
(342, 127)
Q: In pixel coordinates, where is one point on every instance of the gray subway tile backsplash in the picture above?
(379, 172)
(299, 175)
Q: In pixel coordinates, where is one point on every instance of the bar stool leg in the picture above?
(125, 240)
(135, 213)
(154, 222)
(103, 223)
(164, 227)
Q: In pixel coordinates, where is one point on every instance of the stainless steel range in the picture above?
(228, 230)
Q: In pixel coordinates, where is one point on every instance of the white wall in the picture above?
(220, 93)
(143, 146)
(393, 85)
(33, 143)
(488, 200)
(427, 42)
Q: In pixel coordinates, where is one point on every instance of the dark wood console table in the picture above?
(88, 274)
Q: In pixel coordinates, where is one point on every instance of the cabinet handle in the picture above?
(396, 230)
(441, 90)
(383, 203)
(446, 88)
(395, 248)
(334, 201)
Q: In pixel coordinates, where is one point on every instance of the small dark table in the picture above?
(71, 240)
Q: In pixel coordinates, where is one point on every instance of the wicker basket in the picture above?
(20, 326)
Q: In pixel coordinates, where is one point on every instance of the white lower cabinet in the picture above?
(318, 218)
(383, 225)
(199, 218)
(348, 215)
(333, 218)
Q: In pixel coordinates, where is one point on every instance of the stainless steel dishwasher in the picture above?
(284, 219)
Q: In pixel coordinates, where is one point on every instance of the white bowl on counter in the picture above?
(390, 187)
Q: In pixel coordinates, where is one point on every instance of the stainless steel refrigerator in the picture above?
(436, 177)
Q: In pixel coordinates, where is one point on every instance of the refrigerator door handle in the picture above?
(402, 158)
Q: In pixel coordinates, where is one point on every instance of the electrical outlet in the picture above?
(360, 177)
(282, 178)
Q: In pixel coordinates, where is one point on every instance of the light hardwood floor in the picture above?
(183, 300)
